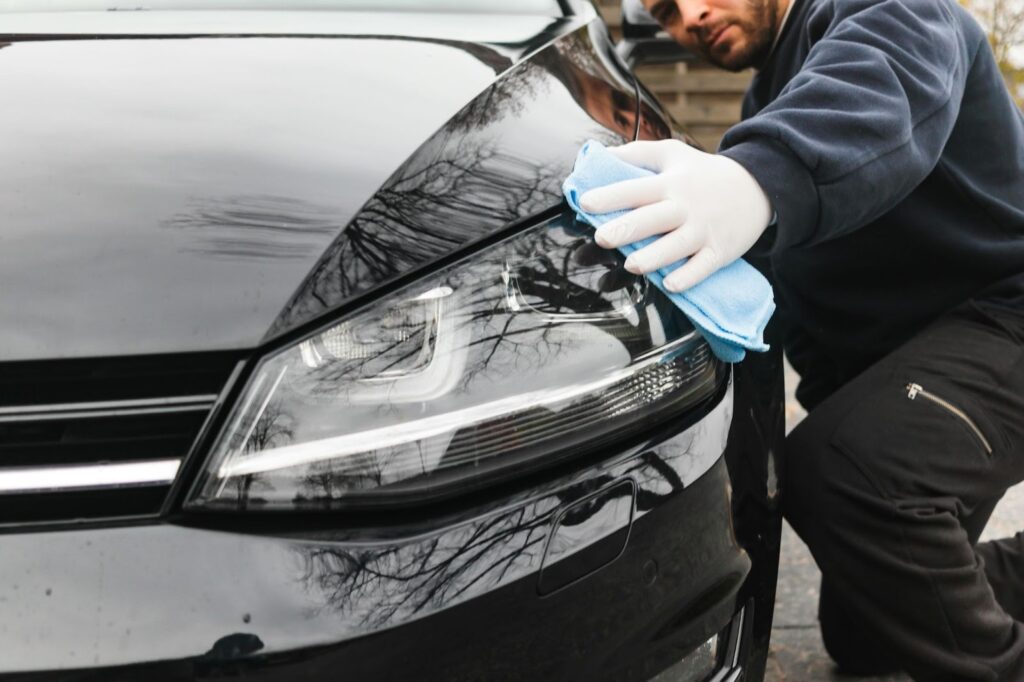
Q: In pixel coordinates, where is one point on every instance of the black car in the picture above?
(308, 372)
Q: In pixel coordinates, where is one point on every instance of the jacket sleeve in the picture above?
(864, 120)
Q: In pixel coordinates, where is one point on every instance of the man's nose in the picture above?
(695, 13)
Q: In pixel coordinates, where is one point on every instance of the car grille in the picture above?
(98, 439)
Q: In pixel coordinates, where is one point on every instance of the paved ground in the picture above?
(796, 653)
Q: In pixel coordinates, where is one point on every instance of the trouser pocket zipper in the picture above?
(914, 390)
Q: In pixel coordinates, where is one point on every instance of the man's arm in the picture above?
(863, 122)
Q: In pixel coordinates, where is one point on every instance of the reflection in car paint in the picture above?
(326, 586)
(255, 227)
(587, 536)
(378, 586)
(498, 160)
(269, 577)
(199, 164)
(523, 321)
(234, 646)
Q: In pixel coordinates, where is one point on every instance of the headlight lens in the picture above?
(521, 355)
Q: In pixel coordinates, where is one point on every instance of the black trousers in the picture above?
(891, 480)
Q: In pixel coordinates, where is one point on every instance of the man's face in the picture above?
(732, 34)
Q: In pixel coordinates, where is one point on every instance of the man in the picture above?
(879, 168)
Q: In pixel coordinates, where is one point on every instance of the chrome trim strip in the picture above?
(738, 639)
(99, 414)
(52, 479)
(110, 408)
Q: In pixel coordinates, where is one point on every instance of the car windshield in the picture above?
(544, 7)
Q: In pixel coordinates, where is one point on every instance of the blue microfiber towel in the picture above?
(730, 308)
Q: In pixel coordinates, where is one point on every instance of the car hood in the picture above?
(195, 192)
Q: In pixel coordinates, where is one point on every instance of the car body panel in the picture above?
(511, 30)
(106, 593)
(457, 589)
(499, 160)
(182, 177)
(449, 593)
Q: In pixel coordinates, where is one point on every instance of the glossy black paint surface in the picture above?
(498, 160)
(754, 457)
(587, 535)
(455, 591)
(177, 203)
(120, 595)
(453, 595)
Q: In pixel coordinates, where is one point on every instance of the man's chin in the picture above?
(731, 66)
(739, 57)
(732, 60)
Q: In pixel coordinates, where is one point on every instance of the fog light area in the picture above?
(696, 666)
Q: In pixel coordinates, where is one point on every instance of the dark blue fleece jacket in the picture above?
(893, 155)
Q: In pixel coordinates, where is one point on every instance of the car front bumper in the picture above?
(617, 569)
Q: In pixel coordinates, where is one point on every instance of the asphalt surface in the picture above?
(797, 654)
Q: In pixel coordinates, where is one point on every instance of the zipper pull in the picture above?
(913, 390)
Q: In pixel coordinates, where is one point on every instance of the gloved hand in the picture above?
(709, 208)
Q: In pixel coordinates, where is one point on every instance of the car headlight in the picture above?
(534, 350)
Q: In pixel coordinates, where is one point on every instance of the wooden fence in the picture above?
(704, 99)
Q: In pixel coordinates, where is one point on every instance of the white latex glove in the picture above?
(709, 208)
